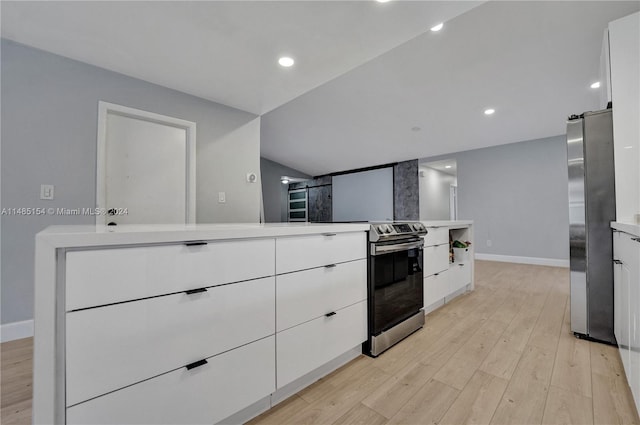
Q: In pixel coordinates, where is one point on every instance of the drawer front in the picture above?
(306, 252)
(436, 236)
(436, 287)
(309, 294)
(110, 347)
(204, 395)
(436, 259)
(104, 276)
(306, 347)
(459, 276)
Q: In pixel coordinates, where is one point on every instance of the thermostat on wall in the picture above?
(252, 177)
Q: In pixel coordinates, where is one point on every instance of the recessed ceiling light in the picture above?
(628, 147)
(286, 61)
(437, 27)
(489, 111)
(447, 166)
(382, 1)
(595, 85)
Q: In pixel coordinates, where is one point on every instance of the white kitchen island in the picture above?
(192, 324)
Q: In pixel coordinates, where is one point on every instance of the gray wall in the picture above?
(49, 127)
(517, 196)
(365, 195)
(274, 193)
(435, 188)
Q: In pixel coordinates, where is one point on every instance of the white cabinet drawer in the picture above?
(436, 287)
(459, 276)
(207, 394)
(436, 259)
(110, 347)
(308, 294)
(307, 252)
(104, 276)
(306, 347)
(436, 236)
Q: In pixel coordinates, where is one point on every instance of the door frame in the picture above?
(106, 108)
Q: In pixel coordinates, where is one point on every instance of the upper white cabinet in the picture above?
(624, 53)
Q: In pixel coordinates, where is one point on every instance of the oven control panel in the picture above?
(394, 230)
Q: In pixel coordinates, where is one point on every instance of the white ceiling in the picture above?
(366, 73)
(224, 51)
(531, 61)
(442, 165)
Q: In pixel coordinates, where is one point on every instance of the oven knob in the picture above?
(381, 228)
(387, 228)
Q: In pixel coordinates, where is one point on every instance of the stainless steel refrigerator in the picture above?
(591, 210)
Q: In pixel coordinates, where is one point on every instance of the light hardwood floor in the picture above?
(503, 354)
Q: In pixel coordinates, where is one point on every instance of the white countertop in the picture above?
(79, 236)
(448, 223)
(631, 228)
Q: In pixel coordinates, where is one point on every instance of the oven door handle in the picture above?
(385, 249)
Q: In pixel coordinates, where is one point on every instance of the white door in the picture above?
(145, 168)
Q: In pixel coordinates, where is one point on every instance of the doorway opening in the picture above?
(438, 183)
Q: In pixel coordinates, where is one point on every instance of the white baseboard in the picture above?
(16, 330)
(553, 262)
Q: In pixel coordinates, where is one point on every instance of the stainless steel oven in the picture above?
(396, 294)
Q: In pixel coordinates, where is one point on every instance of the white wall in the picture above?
(49, 130)
(434, 194)
(517, 195)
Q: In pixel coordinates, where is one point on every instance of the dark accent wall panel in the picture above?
(319, 205)
(406, 201)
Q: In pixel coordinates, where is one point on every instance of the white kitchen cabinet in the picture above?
(204, 395)
(436, 288)
(306, 252)
(142, 327)
(104, 276)
(627, 306)
(310, 294)
(624, 53)
(436, 259)
(134, 341)
(444, 280)
(303, 348)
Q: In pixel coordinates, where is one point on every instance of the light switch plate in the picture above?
(46, 192)
(222, 197)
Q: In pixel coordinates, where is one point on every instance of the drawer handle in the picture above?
(195, 291)
(196, 364)
(329, 266)
(195, 243)
(617, 262)
(461, 264)
(333, 313)
(436, 274)
(328, 234)
(635, 239)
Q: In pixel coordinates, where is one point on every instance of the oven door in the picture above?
(396, 284)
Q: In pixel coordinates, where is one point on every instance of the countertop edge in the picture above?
(84, 236)
(631, 228)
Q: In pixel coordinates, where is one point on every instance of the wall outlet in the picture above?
(222, 197)
(252, 177)
(489, 242)
(46, 191)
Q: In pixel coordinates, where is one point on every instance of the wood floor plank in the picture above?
(389, 397)
(361, 415)
(477, 403)
(524, 399)
(612, 401)
(605, 360)
(281, 412)
(428, 405)
(464, 363)
(572, 369)
(567, 408)
(546, 332)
